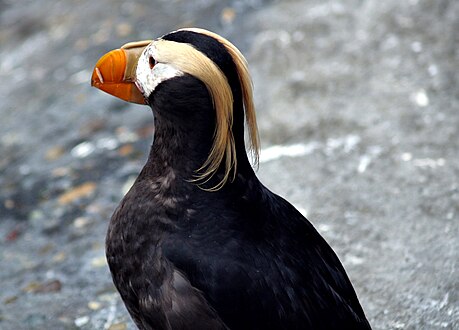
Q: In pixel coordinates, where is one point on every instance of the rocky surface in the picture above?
(358, 109)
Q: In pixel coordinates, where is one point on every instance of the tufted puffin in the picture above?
(199, 242)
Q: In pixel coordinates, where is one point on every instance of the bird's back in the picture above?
(262, 265)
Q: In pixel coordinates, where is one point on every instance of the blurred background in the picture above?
(358, 110)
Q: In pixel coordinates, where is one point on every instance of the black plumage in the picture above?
(240, 257)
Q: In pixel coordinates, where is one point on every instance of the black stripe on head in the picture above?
(215, 51)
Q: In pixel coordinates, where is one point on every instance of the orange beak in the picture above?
(114, 73)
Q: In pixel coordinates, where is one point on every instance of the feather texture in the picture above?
(236, 257)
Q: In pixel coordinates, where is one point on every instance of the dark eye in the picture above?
(151, 61)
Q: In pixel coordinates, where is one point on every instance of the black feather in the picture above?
(239, 258)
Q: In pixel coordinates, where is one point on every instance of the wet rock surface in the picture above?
(358, 109)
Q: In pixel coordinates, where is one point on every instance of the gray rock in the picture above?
(358, 110)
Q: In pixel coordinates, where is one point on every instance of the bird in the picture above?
(198, 242)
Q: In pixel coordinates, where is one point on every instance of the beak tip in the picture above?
(97, 78)
(95, 83)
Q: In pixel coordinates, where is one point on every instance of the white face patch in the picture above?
(148, 78)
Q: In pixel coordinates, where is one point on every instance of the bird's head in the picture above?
(138, 70)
